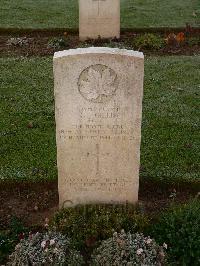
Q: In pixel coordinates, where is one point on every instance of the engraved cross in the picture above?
(97, 155)
(99, 4)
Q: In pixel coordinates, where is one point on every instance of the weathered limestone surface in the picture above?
(98, 103)
(99, 18)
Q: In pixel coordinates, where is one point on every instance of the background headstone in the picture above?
(99, 18)
(98, 100)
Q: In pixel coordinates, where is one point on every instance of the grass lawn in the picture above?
(64, 13)
(170, 134)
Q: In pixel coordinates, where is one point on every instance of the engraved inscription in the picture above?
(99, 123)
(97, 132)
(105, 184)
(98, 83)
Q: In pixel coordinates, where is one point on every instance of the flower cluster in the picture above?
(21, 41)
(45, 249)
(129, 249)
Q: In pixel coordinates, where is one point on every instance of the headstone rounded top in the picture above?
(98, 50)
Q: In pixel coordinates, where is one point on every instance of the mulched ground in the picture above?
(34, 202)
(37, 44)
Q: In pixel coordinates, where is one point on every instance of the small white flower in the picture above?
(55, 250)
(115, 234)
(149, 240)
(52, 242)
(165, 245)
(46, 220)
(17, 246)
(139, 251)
(46, 250)
(43, 244)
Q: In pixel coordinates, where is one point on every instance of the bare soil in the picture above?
(32, 203)
(37, 44)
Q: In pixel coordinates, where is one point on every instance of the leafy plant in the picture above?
(193, 41)
(86, 225)
(128, 249)
(57, 43)
(5, 246)
(148, 41)
(10, 237)
(20, 41)
(45, 249)
(180, 229)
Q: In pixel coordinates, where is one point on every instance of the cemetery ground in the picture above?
(42, 43)
(169, 171)
(168, 207)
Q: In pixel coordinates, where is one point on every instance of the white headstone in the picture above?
(98, 99)
(99, 18)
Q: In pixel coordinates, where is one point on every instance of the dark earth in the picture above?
(32, 203)
(37, 44)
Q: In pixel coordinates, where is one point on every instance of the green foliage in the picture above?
(148, 41)
(45, 249)
(180, 229)
(86, 225)
(128, 249)
(6, 246)
(10, 237)
(193, 41)
(59, 43)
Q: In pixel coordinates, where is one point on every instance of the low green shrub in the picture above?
(148, 41)
(58, 43)
(193, 41)
(45, 249)
(10, 237)
(128, 249)
(180, 229)
(87, 225)
(6, 246)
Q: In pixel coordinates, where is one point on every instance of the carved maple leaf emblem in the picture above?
(98, 83)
